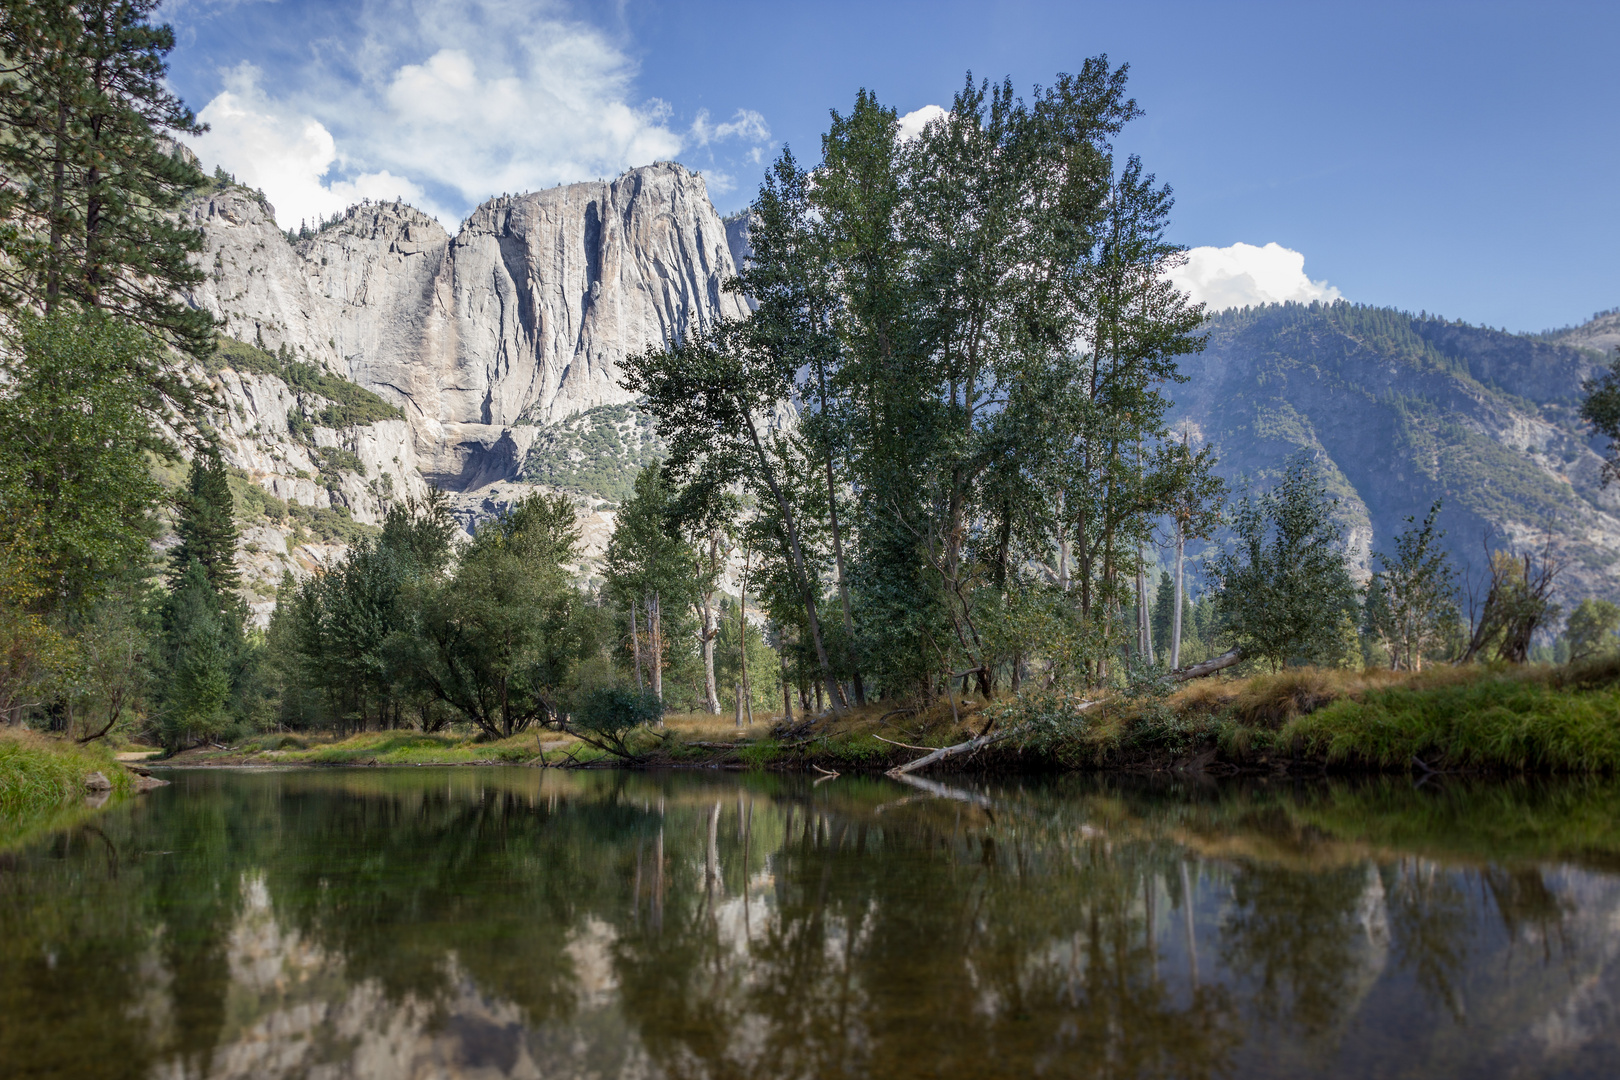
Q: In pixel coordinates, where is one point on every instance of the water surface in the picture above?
(515, 922)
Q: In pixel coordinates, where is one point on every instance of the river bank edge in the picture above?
(1552, 719)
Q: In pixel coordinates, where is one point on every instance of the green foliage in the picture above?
(1411, 607)
(598, 452)
(200, 649)
(339, 642)
(1164, 611)
(918, 303)
(1501, 723)
(1591, 629)
(609, 714)
(650, 569)
(1284, 589)
(1601, 409)
(88, 216)
(254, 503)
(207, 667)
(334, 460)
(502, 642)
(328, 524)
(322, 398)
(77, 436)
(206, 527)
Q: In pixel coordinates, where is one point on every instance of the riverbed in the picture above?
(512, 922)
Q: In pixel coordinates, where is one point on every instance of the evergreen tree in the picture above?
(205, 661)
(88, 217)
(207, 529)
(1164, 614)
(1284, 588)
(200, 649)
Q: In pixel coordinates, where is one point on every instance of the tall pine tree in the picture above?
(207, 529)
(88, 216)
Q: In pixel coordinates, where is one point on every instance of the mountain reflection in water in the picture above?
(524, 923)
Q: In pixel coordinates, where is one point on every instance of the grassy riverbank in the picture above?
(1538, 719)
(42, 783)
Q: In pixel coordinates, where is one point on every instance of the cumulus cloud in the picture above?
(912, 124)
(1244, 275)
(286, 154)
(446, 104)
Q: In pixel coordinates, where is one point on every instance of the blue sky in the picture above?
(1460, 158)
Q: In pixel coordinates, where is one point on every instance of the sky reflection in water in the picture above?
(516, 922)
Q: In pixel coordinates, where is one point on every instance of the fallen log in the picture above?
(948, 752)
(1207, 667)
(960, 748)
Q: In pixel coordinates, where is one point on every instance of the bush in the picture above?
(609, 714)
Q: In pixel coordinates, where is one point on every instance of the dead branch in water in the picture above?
(977, 743)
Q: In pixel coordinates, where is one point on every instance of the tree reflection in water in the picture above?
(511, 922)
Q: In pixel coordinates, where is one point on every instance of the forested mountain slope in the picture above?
(1407, 409)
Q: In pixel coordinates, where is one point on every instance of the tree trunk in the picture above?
(711, 690)
(843, 584)
(635, 647)
(787, 694)
(655, 632)
(1207, 667)
(1175, 623)
(742, 636)
(1144, 624)
(796, 550)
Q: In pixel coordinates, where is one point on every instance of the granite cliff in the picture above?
(484, 342)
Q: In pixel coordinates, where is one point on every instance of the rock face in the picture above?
(522, 317)
(1602, 333)
(519, 320)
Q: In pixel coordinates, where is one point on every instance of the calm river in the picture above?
(404, 923)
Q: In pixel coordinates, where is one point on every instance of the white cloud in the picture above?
(747, 125)
(1245, 275)
(912, 124)
(285, 154)
(447, 102)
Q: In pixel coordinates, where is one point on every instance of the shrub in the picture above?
(609, 714)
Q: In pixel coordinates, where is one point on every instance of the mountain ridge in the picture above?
(500, 345)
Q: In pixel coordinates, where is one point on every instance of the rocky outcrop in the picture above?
(523, 315)
(1601, 335)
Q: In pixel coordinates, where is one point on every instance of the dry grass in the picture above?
(721, 727)
(1272, 700)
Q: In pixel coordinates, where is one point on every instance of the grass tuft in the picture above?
(39, 774)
